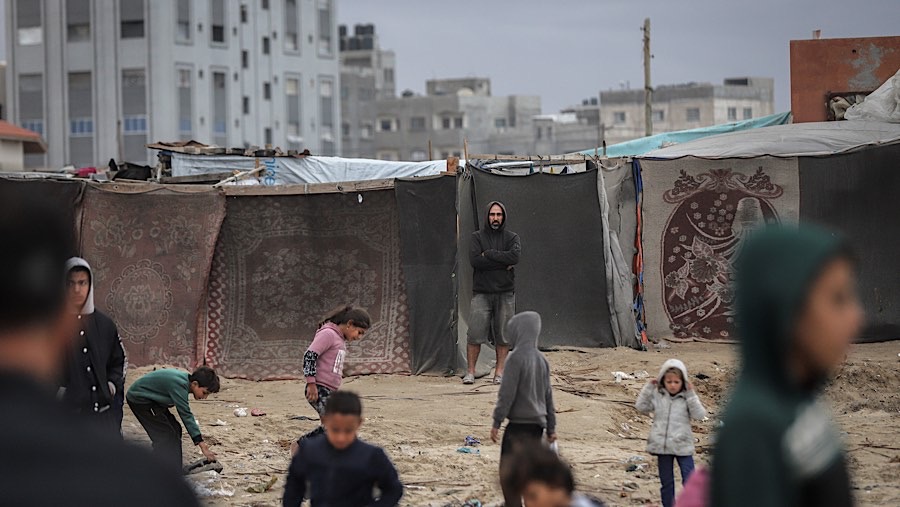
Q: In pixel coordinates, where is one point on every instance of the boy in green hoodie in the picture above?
(150, 397)
(797, 312)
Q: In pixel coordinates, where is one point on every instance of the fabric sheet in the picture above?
(150, 253)
(282, 262)
(696, 214)
(856, 194)
(562, 272)
(67, 194)
(427, 210)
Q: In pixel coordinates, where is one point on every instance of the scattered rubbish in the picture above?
(219, 422)
(263, 486)
(209, 484)
(257, 412)
(303, 418)
(702, 376)
(641, 374)
(468, 450)
(240, 412)
(631, 468)
(621, 375)
(472, 441)
(473, 502)
(661, 345)
(202, 465)
(635, 459)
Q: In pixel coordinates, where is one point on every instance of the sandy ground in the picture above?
(421, 421)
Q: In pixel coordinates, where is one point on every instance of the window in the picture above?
(183, 21)
(388, 155)
(549, 132)
(28, 22)
(34, 126)
(246, 104)
(366, 94)
(659, 115)
(81, 118)
(292, 104)
(386, 125)
(131, 18)
(417, 123)
(458, 122)
(345, 129)
(267, 91)
(220, 108)
(446, 122)
(78, 20)
(267, 134)
(732, 113)
(325, 26)
(134, 124)
(31, 111)
(619, 117)
(500, 123)
(693, 114)
(366, 131)
(540, 133)
(185, 102)
(291, 26)
(81, 127)
(389, 75)
(326, 103)
(264, 4)
(244, 14)
(265, 45)
(418, 155)
(748, 113)
(245, 59)
(218, 21)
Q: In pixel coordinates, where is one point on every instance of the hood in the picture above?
(523, 331)
(774, 271)
(88, 307)
(486, 226)
(669, 364)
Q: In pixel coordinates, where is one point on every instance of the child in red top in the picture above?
(323, 363)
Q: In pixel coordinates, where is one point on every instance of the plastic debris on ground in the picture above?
(474, 502)
(219, 422)
(621, 375)
(240, 412)
(263, 486)
(472, 441)
(203, 465)
(641, 374)
(257, 412)
(209, 484)
(468, 450)
(662, 345)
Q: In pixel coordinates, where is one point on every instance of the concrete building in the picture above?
(15, 143)
(367, 76)
(685, 106)
(100, 79)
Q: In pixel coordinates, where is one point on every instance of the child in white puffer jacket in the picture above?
(674, 403)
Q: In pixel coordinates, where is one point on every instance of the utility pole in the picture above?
(648, 90)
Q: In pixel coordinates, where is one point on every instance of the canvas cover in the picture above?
(696, 213)
(562, 273)
(427, 213)
(67, 194)
(282, 262)
(150, 252)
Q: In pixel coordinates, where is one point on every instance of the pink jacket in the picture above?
(332, 350)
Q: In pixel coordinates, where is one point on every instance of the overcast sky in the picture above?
(568, 50)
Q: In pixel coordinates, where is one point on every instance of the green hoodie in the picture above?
(169, 388)
(777, 446)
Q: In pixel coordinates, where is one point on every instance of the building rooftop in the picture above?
(32, 141)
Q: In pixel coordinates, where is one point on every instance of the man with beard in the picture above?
(494, 252)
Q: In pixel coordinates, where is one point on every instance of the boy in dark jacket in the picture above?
(526, 396)
(340, 469)
(150, 397)
(94, 380)
(797, 313)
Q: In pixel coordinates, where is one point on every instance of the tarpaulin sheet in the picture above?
(428, 237)
(282, 262)
(561, 274)
(857, 194)
(150, 253)
(287, 170)
(66, 194)
(696, 213)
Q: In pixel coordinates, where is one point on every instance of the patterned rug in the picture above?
(150, 253)
(696, 214)
(284, 261)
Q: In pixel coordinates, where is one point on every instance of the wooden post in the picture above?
(453, 165)
(430, 155)
(648, 91)
(466, 149)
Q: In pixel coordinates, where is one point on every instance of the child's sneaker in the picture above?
(469, 379)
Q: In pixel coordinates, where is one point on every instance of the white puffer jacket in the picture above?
(671, 429)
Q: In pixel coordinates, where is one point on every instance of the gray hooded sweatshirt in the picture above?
(526, 395)
(671, 429)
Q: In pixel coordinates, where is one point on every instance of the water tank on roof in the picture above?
(357, 29)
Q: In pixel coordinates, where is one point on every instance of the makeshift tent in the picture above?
(702, 198)
(646, 144)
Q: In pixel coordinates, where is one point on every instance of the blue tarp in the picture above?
(647, 144)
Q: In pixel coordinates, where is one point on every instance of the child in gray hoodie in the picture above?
(526, 395)
(674, 403)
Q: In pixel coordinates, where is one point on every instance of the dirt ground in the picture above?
(422, 421)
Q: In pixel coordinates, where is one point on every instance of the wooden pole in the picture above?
(430, 156)
(466, 149)
(648, 91)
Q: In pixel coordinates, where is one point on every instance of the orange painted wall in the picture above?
(824, 66)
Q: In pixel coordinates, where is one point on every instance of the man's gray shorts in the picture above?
(488, 316)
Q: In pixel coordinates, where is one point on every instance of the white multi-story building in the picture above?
(99, 79)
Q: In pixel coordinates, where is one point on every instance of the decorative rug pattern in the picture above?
(150, 255)
(698, 213)
(282, 262)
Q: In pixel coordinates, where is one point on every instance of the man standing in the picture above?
(95, 369)
(49, 456)
(493, 253)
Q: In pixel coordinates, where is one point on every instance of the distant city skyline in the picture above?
(571, 50)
